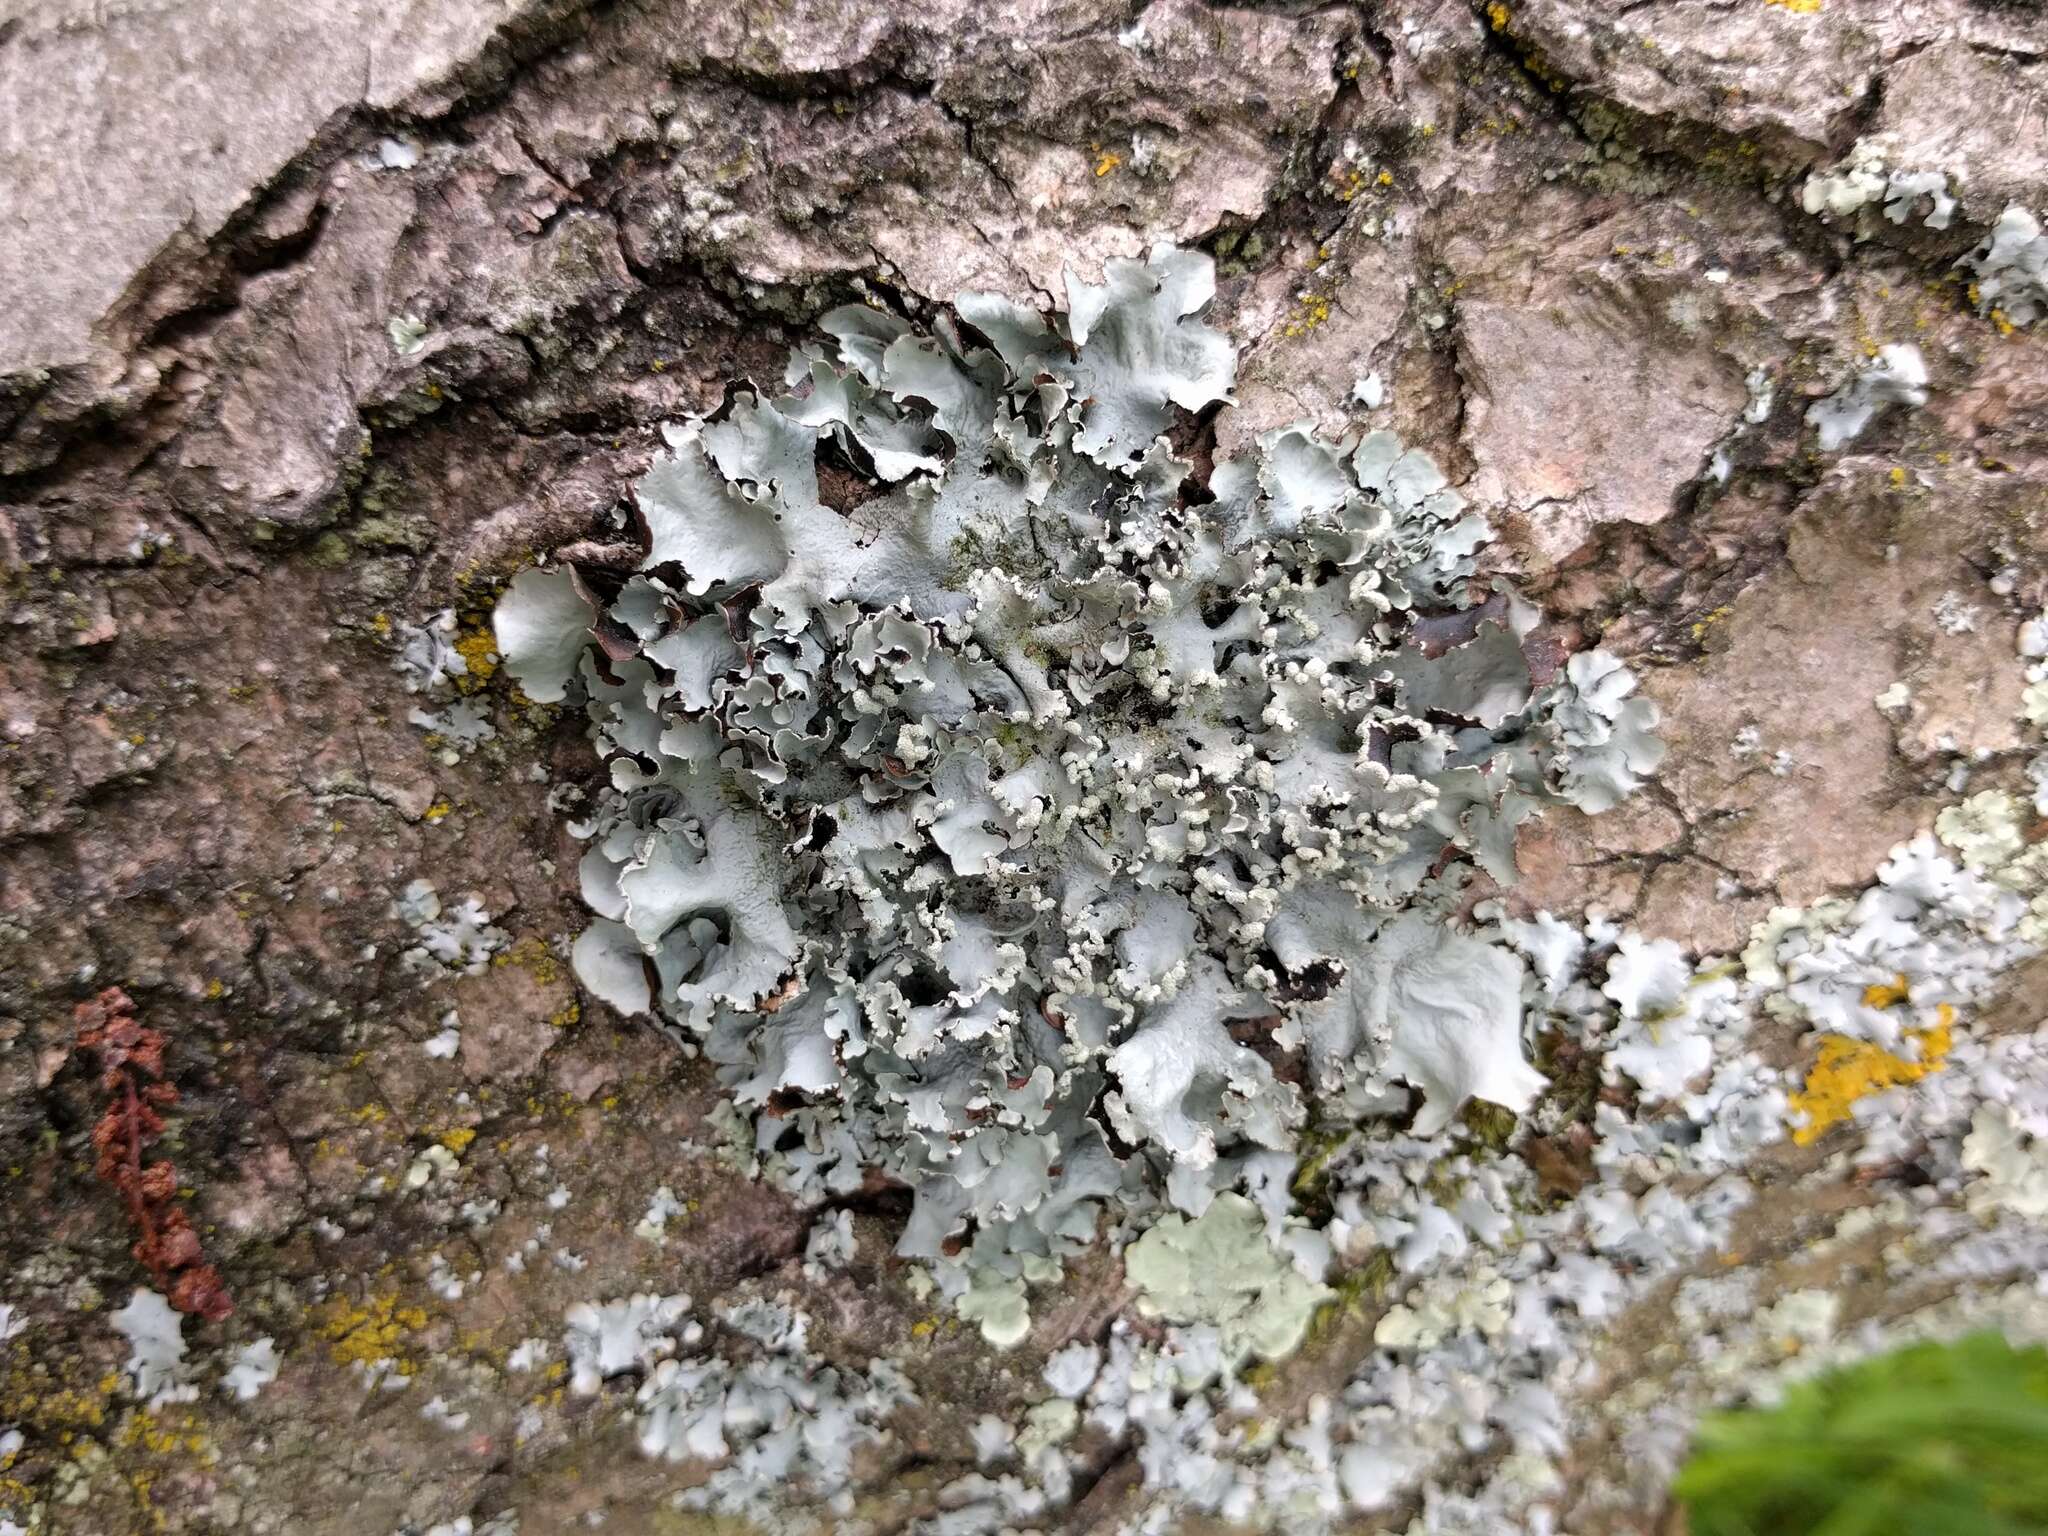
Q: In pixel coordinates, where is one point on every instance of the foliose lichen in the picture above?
(1862, 178)
(1055, 824)
(2011, 268)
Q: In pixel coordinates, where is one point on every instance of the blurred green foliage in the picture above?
(1932, 1440)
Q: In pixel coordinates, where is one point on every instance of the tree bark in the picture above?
(323, 319)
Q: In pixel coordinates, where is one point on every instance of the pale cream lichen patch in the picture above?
(1219, 1269)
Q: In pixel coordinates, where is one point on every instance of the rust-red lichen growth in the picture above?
(131, 1056)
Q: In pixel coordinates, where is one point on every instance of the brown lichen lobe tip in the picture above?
(131, 1056)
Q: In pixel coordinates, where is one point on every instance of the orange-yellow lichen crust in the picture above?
(1847, 1070)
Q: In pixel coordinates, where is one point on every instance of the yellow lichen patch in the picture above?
(1887, 994)
(372, 1331)
(1499, 16)
(457, 1140)
(478, 649)
(144, 1429)
(565, 1104)
(1847, 1070)
(1108, 161)
(26, 1399)
(1798, 7)
(1310, 311)
(534, 957)
(1709, 620)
